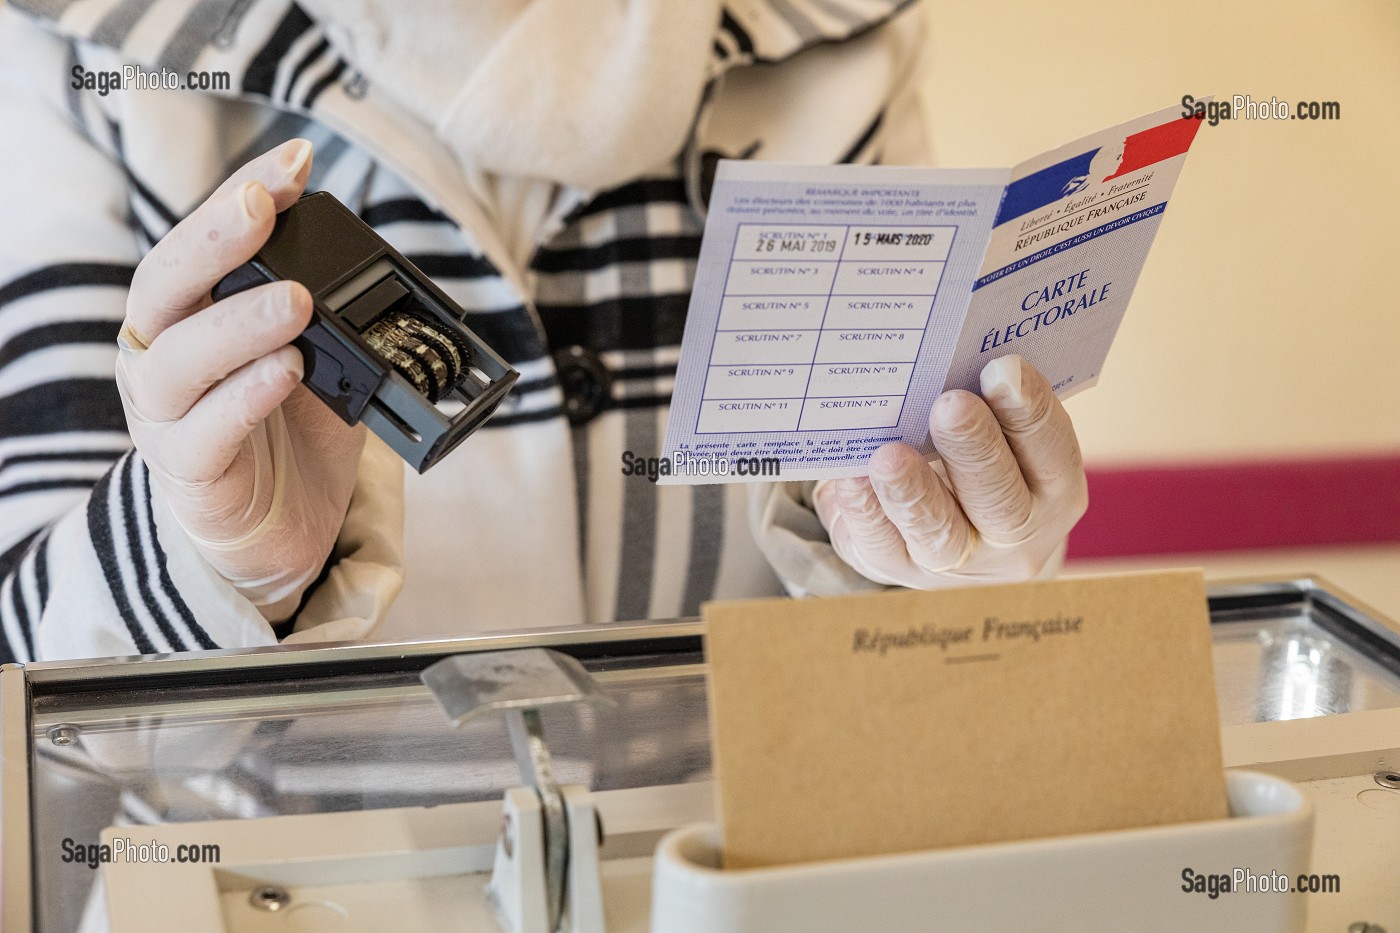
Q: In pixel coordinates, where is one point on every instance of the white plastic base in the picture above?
(517, 888)
(1097, 883)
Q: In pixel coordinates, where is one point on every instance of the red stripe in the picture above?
(1240, 506)
(1152, 146)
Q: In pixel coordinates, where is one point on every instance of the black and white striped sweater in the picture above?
(531, 523)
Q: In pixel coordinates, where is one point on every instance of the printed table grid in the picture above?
(876, 388)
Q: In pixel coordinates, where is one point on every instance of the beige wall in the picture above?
(1267, 320)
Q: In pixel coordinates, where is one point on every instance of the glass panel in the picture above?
(1289, 667)
(341, 743)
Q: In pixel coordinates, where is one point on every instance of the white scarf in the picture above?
(583, 93)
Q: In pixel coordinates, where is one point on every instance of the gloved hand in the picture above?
(252, 466)
(1008, 490)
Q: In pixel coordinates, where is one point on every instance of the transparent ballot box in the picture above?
(338, 794)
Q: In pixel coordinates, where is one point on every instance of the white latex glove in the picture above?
(252, 466)
(1005, 496)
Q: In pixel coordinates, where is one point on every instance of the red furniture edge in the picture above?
(1247, 505)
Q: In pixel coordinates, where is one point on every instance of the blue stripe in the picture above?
(1084, 237)
(1043, 187)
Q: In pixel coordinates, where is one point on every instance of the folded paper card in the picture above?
(909, 720)
(833, 303)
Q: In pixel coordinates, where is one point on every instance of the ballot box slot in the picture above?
(1228, 607)
(613, 647)
(1366, 640)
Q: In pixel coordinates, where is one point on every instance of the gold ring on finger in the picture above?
(129, 341)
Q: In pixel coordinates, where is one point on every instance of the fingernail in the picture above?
(252, 203)
(271, 371)
(897, 481)
(277, 305)
(294, 159)
(280, 367)
(856, 496)
(849, 492)
(885, 466)
(1001, 380)
(950, 411)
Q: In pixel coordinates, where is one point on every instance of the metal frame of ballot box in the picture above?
(1309, 685)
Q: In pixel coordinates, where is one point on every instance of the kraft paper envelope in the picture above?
(911, 720)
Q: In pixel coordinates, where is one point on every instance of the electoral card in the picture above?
(832, 304)
(1071, 237)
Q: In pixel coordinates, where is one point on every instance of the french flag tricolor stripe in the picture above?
(1156, 145)
(1140, 150)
